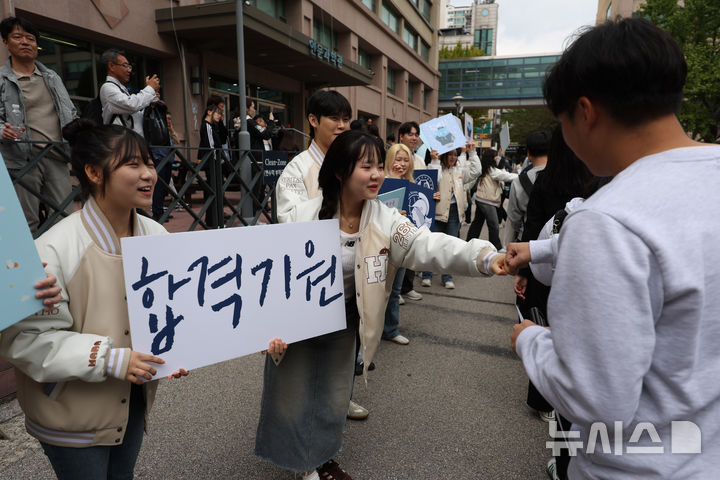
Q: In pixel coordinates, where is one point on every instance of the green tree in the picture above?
(458, 51)
(522, 121)
(696, 27)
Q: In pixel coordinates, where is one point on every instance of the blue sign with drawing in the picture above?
(20, 265)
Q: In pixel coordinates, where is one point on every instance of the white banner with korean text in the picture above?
(198, 298)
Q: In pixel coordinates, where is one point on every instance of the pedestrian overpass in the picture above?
(494, 82)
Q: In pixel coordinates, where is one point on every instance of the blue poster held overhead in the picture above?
(427, 178)
(20, 266)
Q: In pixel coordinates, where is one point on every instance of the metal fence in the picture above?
(230, 181)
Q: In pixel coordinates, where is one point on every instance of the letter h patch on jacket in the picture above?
(376, 268)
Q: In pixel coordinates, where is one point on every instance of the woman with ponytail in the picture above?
(80, 384)
(306, 392)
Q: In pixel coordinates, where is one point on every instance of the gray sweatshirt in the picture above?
(635, 316)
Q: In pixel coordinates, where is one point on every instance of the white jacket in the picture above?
(463, 172)
(71, 362)
(298, 181)
(116, 100)
(389, 241)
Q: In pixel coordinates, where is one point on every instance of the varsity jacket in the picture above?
(456, 177)
(61, 357)
(299, 181)
(387, 242)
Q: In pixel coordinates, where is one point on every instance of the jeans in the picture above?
(103, 462)
(158, 198)
(305, 399)
(485, 212)
(392, 311)
(452, 228)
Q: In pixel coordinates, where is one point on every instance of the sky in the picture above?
(538, 26)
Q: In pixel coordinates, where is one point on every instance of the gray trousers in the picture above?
(48, 177)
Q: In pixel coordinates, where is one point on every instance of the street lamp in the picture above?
(457, 99)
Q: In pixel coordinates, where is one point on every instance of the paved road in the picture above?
(451, 405)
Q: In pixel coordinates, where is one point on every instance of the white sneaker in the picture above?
(357, 412)
(312, 476)
(502, 250)
(426, 282)
(449, 285)
(413, 295)
(547, 416)
(401, 301)
(399, 339)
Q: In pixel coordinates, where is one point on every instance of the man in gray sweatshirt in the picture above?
(632, 357)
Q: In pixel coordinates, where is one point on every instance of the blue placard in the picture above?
(391, 184)
(420, 205)
(394, 199)
(274, 161)
(20, 266)
(427, 178)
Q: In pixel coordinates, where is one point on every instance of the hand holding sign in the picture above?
(197, 298)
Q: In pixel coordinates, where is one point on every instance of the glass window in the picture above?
(390, 18)
(426, 96)
(411, 92)
(72, 60)
(484, 40)
(424, 51)
(410, 37)
(426, 9)
(370, 4)
(324, 34)
(391, 80)
(78, 64)
(364, 59)
(274, 8)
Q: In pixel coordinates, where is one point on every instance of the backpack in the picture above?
(525, 181)
(155, 128)
(93, 111)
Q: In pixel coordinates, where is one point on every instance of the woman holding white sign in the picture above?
(80, 384)
(306, 393)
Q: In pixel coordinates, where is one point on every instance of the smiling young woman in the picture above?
(307, 392)
(80, 384)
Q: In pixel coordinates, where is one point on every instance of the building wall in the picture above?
(490, 20)
(364, 29)
(134, 30)
(478, 21)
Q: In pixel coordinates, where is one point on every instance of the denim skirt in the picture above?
(306, 397)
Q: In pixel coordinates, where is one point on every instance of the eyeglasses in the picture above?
(124, 65)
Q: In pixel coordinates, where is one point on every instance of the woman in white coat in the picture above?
(307, 391)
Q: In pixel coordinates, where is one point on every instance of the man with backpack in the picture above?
(118, 105)
(538, 143)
